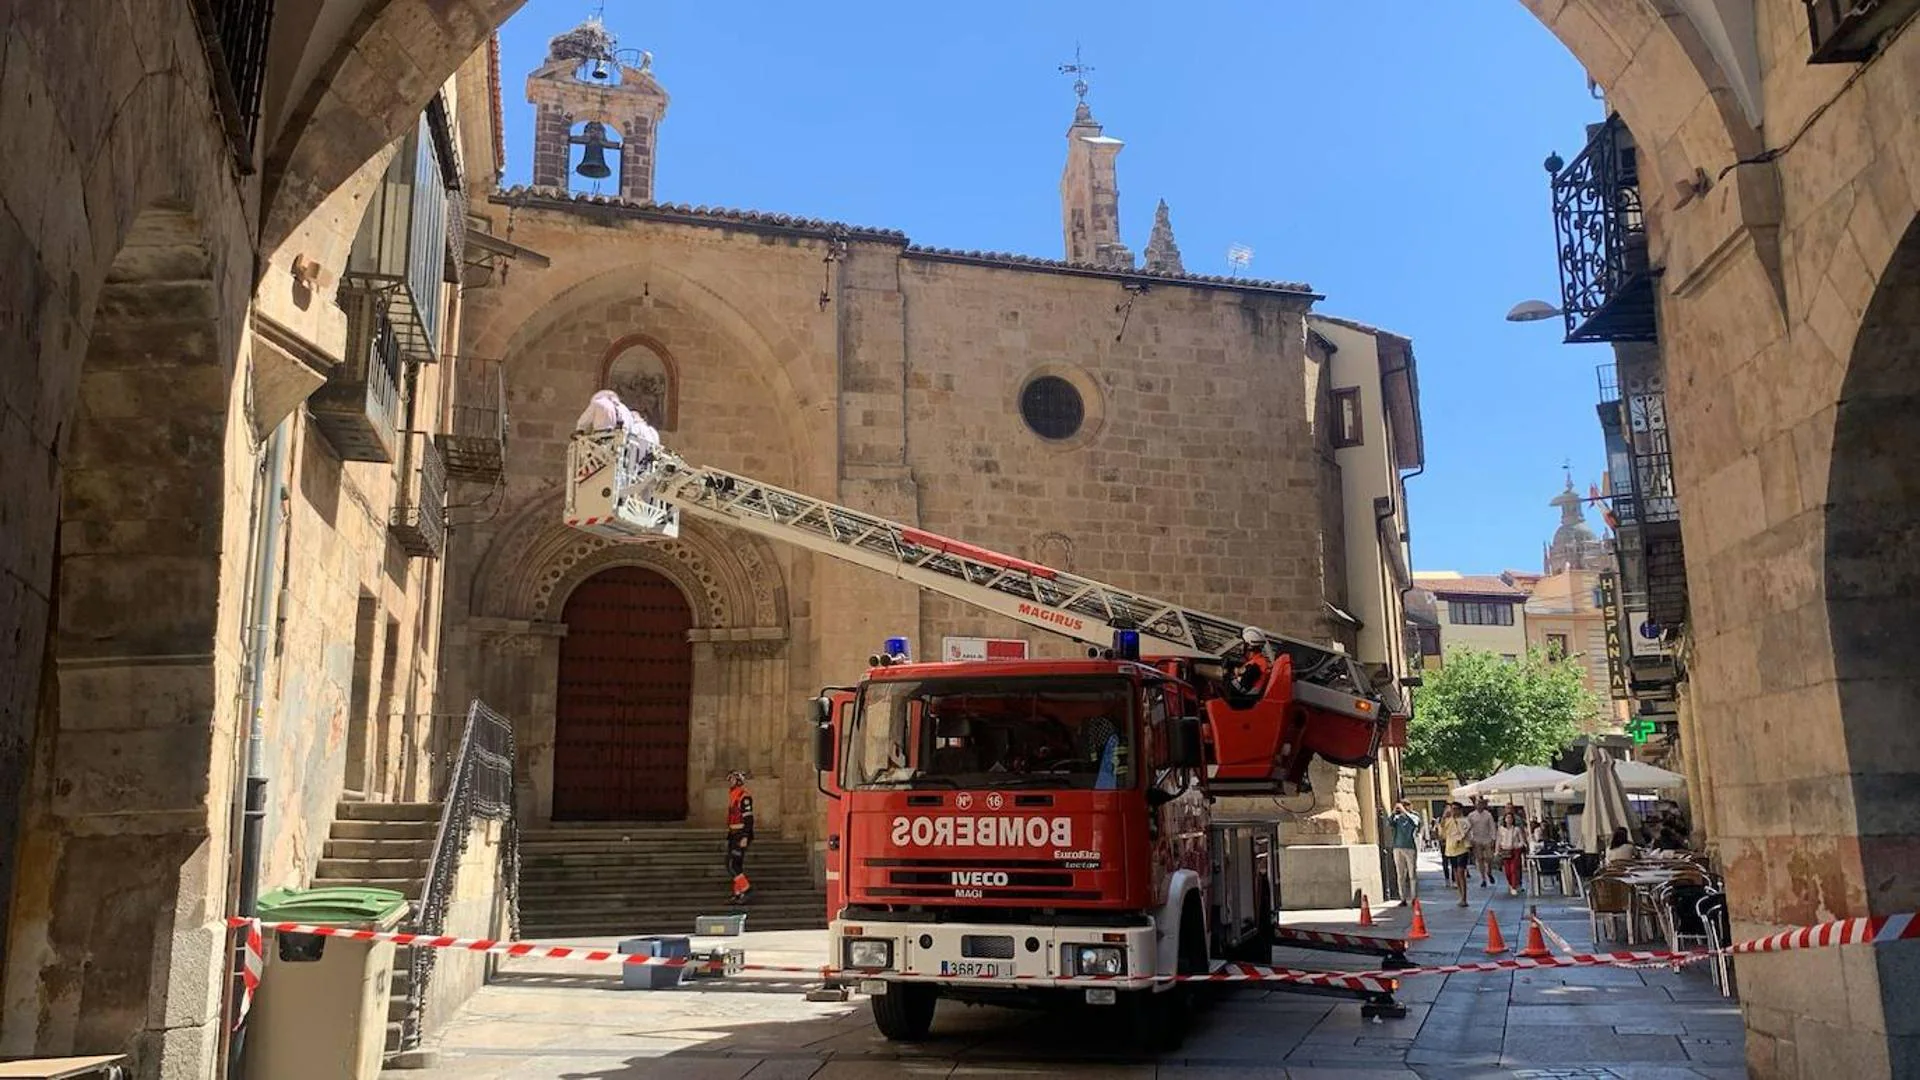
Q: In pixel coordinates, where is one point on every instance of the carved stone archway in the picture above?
(738, 596)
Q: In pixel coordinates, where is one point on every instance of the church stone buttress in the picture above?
(1090, 195)
(583, 82)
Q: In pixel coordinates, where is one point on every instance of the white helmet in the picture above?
(1253, 637)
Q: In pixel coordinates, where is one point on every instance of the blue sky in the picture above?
(1387, 154)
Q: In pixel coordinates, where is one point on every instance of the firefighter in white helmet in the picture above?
(1256, 664)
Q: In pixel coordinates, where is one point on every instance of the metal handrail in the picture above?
(479, 787)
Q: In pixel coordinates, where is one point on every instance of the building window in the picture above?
(1479, 613)
(1429, 641)
(1556, 646)
(1052, 407)
(1346, 417)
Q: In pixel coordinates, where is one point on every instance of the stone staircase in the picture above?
(384, 845)
(595, 880)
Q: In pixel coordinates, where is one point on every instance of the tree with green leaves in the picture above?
(1480, 713)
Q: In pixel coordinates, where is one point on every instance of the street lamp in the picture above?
(1533, 311)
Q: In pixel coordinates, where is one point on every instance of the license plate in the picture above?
(977, 969)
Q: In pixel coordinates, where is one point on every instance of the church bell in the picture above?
(593, 163)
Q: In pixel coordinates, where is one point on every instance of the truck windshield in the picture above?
(985, 732)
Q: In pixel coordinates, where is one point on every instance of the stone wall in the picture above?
(930, 355)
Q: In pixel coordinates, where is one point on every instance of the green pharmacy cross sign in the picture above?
(1640, 728)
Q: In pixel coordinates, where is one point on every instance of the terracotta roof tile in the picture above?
(522, 194)
(1470, 585)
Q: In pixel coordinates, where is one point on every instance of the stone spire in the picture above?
(1090, 195)
(1163, 255)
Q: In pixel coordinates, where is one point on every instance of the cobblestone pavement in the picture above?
(555, 1020)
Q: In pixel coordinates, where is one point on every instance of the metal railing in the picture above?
(478, 787)
(1606, 287)
(358, 409)
(419, 519)
(400, 252)
(476, 445)
(1850, 31)
(235, 34)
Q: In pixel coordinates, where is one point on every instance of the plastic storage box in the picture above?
(654, 976)
(720, 925)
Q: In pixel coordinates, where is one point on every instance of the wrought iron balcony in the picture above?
(476, 448)
(419, 522)
(1606, 283)
(358, 410)
(401, 253)
(234, 35)
(1849, 31)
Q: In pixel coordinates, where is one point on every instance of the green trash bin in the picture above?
(321, 1010)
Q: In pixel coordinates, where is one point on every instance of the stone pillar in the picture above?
(636, 159)
(741, 708)
(516, 670)
(552, 150)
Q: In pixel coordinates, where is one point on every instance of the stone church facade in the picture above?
(1163, 431)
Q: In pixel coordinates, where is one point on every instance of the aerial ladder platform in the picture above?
(622, 484)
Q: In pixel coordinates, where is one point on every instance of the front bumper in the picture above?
(953, 953)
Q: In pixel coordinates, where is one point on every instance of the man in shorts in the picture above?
(1483, 829)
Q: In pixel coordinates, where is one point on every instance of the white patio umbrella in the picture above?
(1633, 776)
(1607, 807)
(1517, 780)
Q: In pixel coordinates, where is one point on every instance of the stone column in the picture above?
(740, 692)
(516, 665)
(551, 149)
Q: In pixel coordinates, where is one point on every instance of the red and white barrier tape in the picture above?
(1286, 933)
(1862, 931)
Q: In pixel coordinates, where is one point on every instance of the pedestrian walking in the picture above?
(1483, 832)
(1406, 849)
(1455, 849)
(739, 834)
(1512, 842)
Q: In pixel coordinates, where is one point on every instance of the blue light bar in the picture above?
(1126, 644)
(897, 647)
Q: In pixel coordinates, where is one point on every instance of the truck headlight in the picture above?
(870, 953)
(1099, 960)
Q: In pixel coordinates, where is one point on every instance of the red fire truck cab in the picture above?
(1017, 830)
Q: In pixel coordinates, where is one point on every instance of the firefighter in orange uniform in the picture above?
(1255, 665)
(739, 833)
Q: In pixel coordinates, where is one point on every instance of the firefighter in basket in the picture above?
(739, 834)
(1249, 680)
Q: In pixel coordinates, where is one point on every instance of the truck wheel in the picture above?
(905, 1012)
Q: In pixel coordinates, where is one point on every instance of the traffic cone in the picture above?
(1495, 943)
(1419, 928)
(1536, 947)
(1366, 913)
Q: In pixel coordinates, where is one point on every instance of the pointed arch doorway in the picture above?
(625, 700)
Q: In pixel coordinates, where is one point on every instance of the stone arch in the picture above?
(110, 911)
(1872, 581)
(732, 579)
(660, 406)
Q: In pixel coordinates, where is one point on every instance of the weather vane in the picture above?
(1079, 71)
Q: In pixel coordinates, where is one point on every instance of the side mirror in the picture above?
(822, 711)
(823, 748)
(1183, 743)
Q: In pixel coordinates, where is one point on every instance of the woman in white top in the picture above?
(1622, 849)
(1511, 842)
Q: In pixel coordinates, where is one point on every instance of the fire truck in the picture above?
(1014, 830)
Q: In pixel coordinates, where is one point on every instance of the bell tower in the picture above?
(603, 99)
